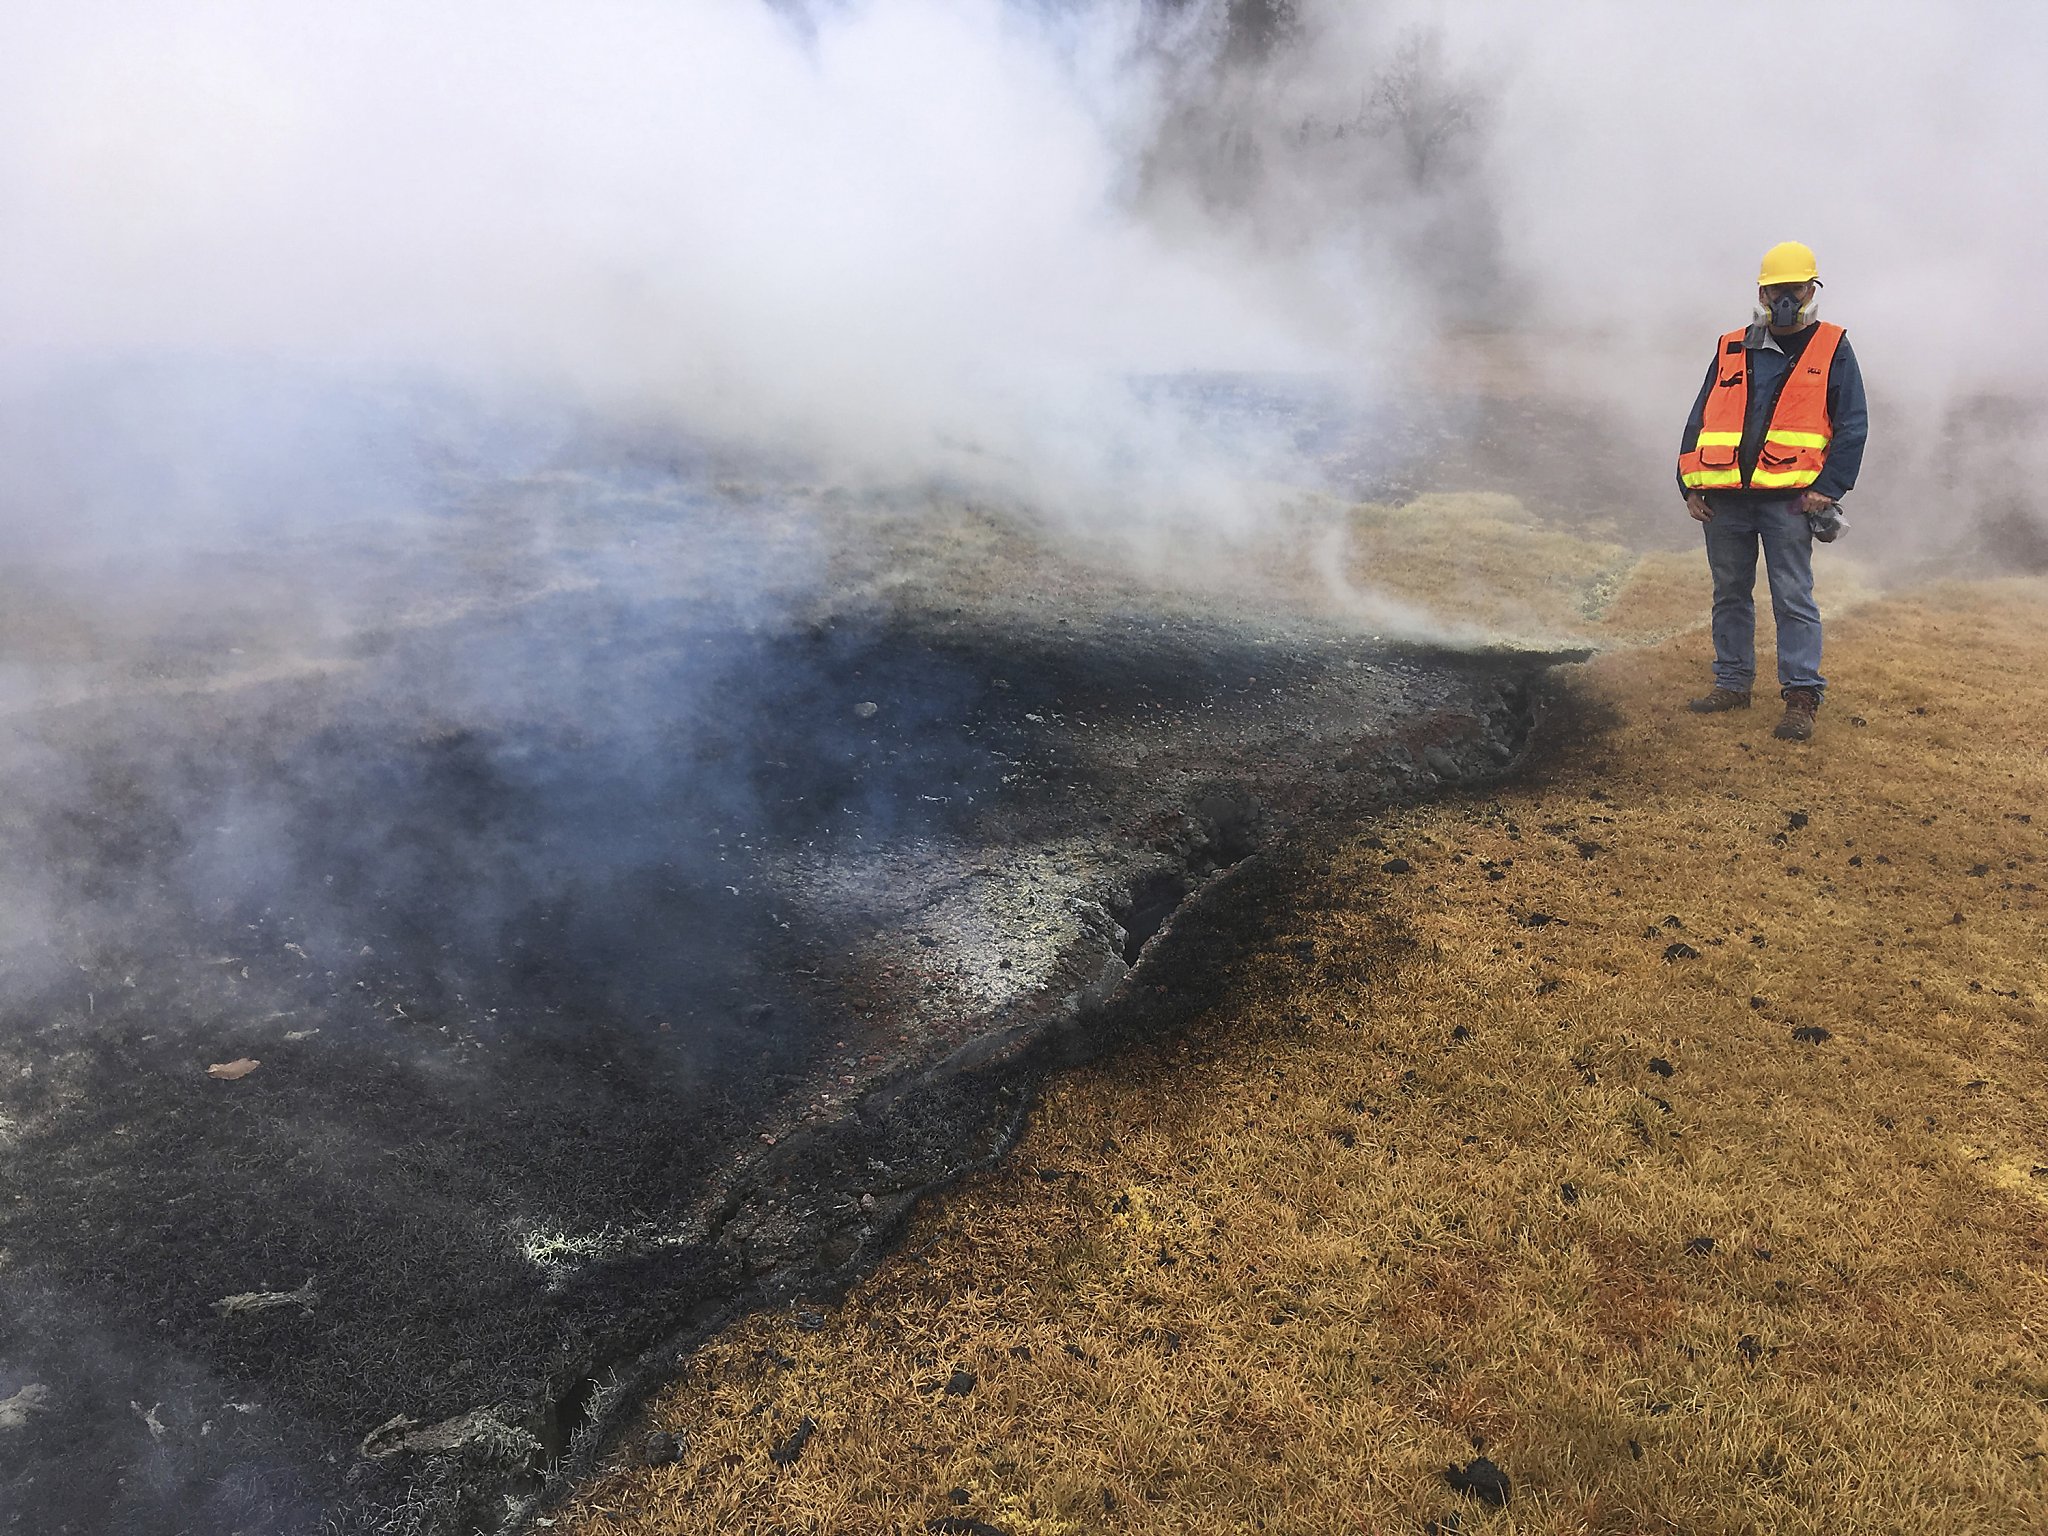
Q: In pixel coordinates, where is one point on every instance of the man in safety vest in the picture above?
(1773, 444)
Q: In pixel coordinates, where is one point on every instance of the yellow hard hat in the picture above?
(1789, 262)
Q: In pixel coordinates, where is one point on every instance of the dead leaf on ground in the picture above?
(240, 1067)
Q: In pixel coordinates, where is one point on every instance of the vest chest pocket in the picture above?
(1717, 450)
(1789, 465)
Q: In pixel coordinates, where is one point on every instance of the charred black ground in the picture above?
(615, 957)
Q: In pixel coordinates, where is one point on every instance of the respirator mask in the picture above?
(1787, 312)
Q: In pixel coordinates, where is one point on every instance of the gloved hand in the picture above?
(1824, 518)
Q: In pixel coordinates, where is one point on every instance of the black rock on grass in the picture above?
(661, 1450)
(785, 1452)
(1480, 1479)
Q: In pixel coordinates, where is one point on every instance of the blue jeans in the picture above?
(1737, 527)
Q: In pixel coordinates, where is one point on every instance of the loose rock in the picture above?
(15, 1410)
(1479, 1478)
(785, 1452)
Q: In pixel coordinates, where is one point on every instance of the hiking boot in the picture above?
(1801, 704)
(1718, 700)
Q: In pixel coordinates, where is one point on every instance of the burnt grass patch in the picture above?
(531, 924)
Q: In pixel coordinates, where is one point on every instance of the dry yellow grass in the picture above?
(1452, 1180)
(1485, 567)
(1489, 563)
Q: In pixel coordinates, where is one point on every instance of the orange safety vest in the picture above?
(1796, 442)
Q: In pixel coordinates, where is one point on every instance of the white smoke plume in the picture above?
(955, 238)
(900, 233)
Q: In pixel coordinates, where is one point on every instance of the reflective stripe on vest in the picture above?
(1795, 443)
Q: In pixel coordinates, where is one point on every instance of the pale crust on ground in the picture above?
(1277, 1275)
